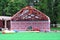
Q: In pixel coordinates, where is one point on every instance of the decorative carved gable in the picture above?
(29, 14)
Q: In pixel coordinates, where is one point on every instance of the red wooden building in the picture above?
(29, 18)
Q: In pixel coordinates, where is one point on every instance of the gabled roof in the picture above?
(28, 14)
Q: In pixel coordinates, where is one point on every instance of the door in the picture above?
(1, 24)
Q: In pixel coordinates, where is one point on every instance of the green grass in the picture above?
(31, 36)
(58, 28)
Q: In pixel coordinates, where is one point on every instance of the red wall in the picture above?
(23, 25)
(1, 23)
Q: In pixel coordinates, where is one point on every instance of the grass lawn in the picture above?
(58, 28)
(31, 36)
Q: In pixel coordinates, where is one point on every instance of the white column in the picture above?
(5, 24)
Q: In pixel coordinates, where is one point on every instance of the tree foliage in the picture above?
(49, 7)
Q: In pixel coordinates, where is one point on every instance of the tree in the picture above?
(49, 7)
(53, 11)
(3, 5)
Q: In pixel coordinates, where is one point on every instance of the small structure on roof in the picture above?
(29, 18)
